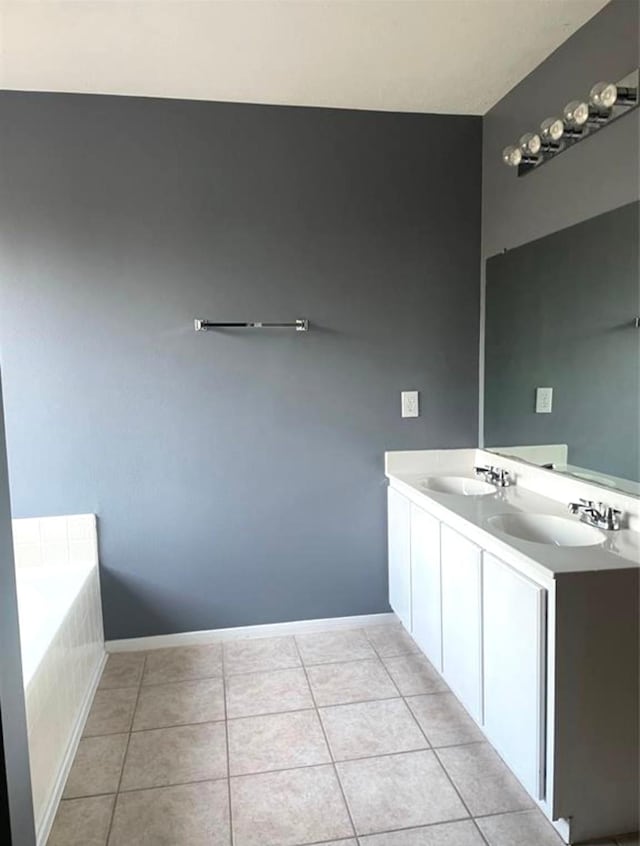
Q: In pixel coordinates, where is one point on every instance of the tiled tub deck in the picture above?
(338, 737)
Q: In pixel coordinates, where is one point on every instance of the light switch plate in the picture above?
(410, 404)
(544, 400)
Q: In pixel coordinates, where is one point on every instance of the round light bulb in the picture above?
(530, 144)
(512, 156)
(576, 113)
(603, 95)
(552, 129)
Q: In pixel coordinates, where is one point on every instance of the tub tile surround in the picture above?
(69, 539)
(62, 645)
(277, 767)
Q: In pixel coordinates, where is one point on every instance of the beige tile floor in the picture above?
(346, 738)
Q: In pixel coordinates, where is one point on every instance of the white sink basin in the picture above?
(547, 529)
(457, 485)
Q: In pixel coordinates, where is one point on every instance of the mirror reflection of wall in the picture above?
(560, 314)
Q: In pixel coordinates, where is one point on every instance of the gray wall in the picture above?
(560, 313)
(15, 779)
(238, 477)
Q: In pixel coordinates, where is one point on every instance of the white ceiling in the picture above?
(446, 56)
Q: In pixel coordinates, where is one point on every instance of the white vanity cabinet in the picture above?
(399, 543)
(461, 567)
(425, 584)
(513, 630)
(542, 653)
(481, 624)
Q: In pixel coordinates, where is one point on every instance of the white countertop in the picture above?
(620, 550)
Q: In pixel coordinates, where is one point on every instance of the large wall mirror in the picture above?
(562, 314)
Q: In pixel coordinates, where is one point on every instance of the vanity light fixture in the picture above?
(530, 144)
(580, 119)
(512, 156)
(604, 95)
(576, 114)
(551, 130)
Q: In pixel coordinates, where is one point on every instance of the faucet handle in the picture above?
(581, 505)
(612, 516)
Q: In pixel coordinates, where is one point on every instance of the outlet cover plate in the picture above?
(410, 406)
(544, 400)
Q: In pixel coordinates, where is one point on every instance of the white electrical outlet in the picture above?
(544, 400)
(410, 405)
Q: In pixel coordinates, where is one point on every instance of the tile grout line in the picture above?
(272, 670)
(424, 734)
(328, 745)
(280, 769)
(284, 770)
(306, 767)
(126, 751)
(386, 669)
(226, 735)
(446, 772)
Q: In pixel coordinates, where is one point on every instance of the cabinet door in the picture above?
(461, 567)
(514, 618)
(425, 584)
(398, 514)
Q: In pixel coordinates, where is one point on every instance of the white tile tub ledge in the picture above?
(62, 646)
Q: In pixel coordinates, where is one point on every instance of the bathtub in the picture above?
(62, 645)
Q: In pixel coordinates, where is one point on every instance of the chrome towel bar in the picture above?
(299, 325)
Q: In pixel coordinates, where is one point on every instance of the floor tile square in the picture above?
(255, 655)
(193, 814)
(398, 791)
(111, 711)
(413, 674)
(183, 663)
(356, 681)
(463, 833)
(176, 755)
(444, 720)
(97, 766)
(484, 782)
(82, 822)
(123, 669)
(526, 828)
(288, 808)
(276, 741)
(271, 692)
(390, 640)
(327, 647)
(180, 703)
(367, 729)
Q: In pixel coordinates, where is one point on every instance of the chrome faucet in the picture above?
(597, 514)
(495, 475)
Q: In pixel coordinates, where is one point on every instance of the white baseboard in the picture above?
(44, 829)
(136, 644)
